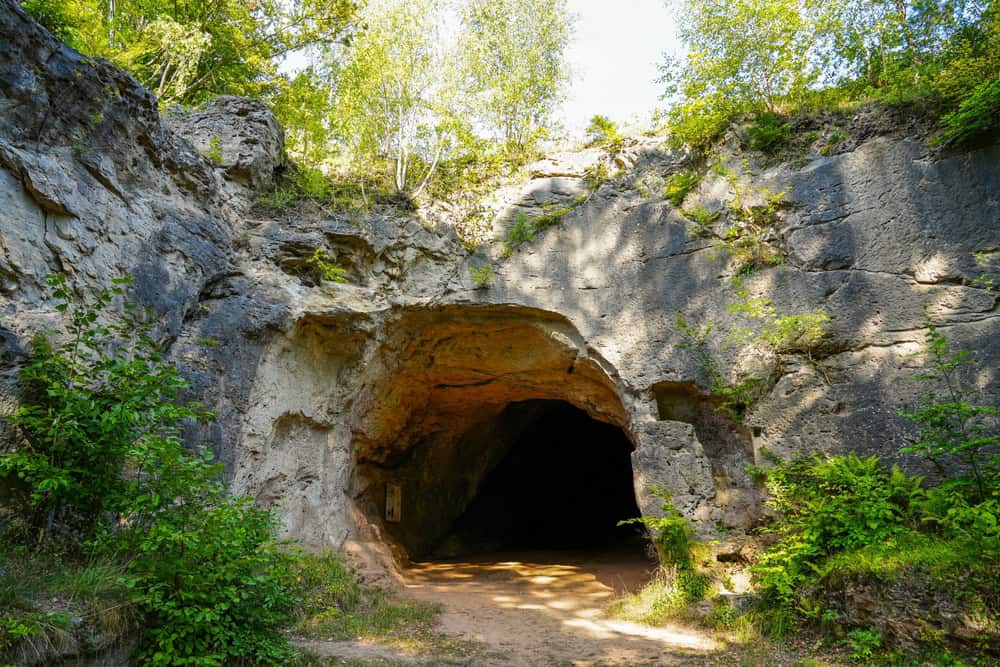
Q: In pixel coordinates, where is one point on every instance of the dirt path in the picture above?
(548, 609)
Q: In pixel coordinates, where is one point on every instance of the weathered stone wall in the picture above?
(325, 392)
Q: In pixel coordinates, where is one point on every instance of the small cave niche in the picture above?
(565, 483)
(727, 443)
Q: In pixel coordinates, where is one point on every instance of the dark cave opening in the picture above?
(565, 483)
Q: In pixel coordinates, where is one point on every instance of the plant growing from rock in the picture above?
(322, 267)
(94, 399)
(679, 185)
(214, 152)
(482, 276)
(950, 425)
(768, 133)
(785, 334)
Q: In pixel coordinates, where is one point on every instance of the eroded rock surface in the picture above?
(327, 393)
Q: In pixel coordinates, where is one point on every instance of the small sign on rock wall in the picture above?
(393, 502)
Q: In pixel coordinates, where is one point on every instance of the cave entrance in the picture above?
(563, 483)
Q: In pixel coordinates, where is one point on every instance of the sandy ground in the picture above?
(548, 609)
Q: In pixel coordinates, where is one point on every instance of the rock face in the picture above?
(328, 394)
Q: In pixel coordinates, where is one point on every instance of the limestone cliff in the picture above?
(406, 374)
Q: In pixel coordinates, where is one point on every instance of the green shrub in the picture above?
(768, 133)
(679, 185)
(100, 398)
(701, 220)
(213, 587)
(671, 532)
(950, 426)
(214, 152)
(828, 505)
(321, 266)
(699, 123)
(311, 183)
(678, 582)
(100, 453)
(604, 132)
(977, 116)
(864, 643)
(482, 276)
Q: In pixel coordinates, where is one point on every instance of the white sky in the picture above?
(617, 46)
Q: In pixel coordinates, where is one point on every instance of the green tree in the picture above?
(304, 107)
(192, 50)
(392, 91)
(749, 53)
(514, 61)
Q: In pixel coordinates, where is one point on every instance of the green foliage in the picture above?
(699, 122)
(303, 105)
(100, 397)
(752, 56)
(950, 428)
(524, 228)
(864, 643)
(321, 265)
(977, 116)
(671, 532)
(210, 581)
(190, 51)
(736, 398)
(394, 92)
(829, 505)
(768, 133)
(680, 184)
(664, 598)
(678, 582)
(100, 453)
(214, 152)
(604, 132)
(783, 333)
(702, 220)
(482, 275)
(514, 60)
(748, 240)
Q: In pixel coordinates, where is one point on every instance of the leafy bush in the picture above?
(100, 453)
(977, 116)
(604, 132)
(828, 505)
(701, 220)
(678, 582)
(100, 398)
(211, 583)
(864, 642)
(482, 276)
(699, 123)
(768, 133)
(321, 266)
(671, 532)
(679, 185)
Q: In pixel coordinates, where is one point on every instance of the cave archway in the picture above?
(492, 429)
